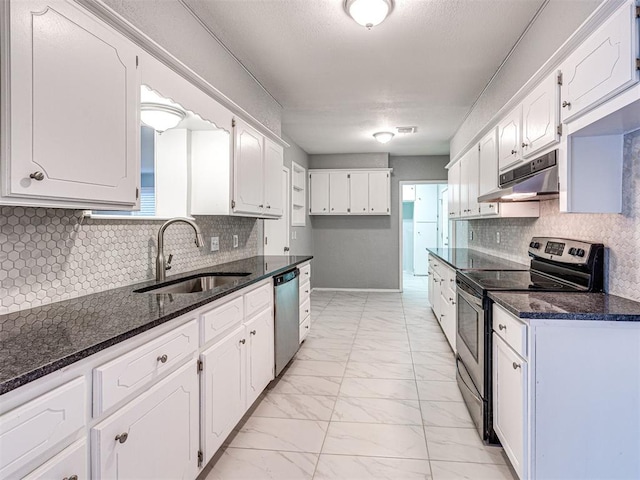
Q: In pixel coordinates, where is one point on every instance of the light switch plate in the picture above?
(215, 244)
(235, 241)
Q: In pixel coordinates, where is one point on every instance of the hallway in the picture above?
(370, 395)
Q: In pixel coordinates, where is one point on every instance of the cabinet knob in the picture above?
(372, 209)
(490, 205)
(332, 209)
(502, 327)
(252, 332)
(324, 209)
(39, 176)
(566, 104)
(261, 206)
(513, 152)
(163, 358)
(525, 145)
(306, 311)
(516, 365)
(364, 209)
(243, 341)
(306, 326)
(306, 291)
(72, 477)
(122, 437)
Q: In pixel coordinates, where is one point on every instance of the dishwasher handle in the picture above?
(286, 277)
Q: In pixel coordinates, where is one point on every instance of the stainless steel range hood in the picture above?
(535, 180)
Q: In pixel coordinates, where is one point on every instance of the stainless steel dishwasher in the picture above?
(287, 312)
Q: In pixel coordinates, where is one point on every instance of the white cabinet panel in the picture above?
(222, 319)
(223, 390)
(305, 326)
(488, 161)
(454, 190)
(274, 155)
(70, 463)
(260, 359)
(359, 192)
(319, 192)
(248, 177)
(540, 117)
(448, 320)
(153, 437)
(258, 299)
(469, 176)
(603, 65)
(129, 373)
(74, 98)
(338, 193)
(425, 207)
(40, 425)
(509, 140)
(379, 192)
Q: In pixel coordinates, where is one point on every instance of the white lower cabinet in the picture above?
(70, 464)
(260, 354)
(305, 301)
(442, 297)
(155, 436)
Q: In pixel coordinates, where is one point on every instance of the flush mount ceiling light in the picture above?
(368, 13)
(160, 117)
(383, 137)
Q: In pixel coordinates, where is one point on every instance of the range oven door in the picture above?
(470, 359)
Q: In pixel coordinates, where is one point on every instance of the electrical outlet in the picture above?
(470, 234)
(215, 244)
(235, 241)
(497, 237)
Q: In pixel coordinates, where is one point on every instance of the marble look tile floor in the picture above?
(370, 395)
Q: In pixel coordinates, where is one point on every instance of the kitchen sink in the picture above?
(196, 284)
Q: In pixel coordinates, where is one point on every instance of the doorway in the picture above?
(276, 232)
(423, 224)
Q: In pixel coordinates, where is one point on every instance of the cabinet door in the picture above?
(72, 461)
(425, 208)
(338, 193)
(540, 117)
(488, 175)
(359, 193)
(603, 65)
(469, 175)
(248, 170)
(319, 192)
(448, 317)
(273, 178)
(430, 286)
(74, 96)
(509, 397)
(155, 436)
(425, 236)
(454, 190)
(379, 184)
(260, 359)
(223, 399)
(509, 140)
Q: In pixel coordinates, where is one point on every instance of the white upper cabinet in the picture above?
(274, 155)
(339, 193)
(603, 65)
(379, 193)
(319, 193)
(454, 190)
(488, 179)
(72, 96)
(540, 117)
(469, 184)
(509, 153)
(248, 171)
(359, 192)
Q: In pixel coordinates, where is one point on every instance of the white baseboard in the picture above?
(372, 290)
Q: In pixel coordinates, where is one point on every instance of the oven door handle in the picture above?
(471, 390)
(465, 292)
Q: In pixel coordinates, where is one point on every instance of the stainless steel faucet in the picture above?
(161, 267)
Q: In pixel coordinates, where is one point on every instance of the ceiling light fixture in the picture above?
(160, 117)
(383, 137)
(368, 13)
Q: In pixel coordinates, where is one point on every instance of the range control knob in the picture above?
(573, 251)
(534, 245)
(580, 252)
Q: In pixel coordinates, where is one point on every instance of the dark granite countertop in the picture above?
(41, 340)
(569, 306)
(467, 259)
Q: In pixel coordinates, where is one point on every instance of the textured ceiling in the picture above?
(339, 83)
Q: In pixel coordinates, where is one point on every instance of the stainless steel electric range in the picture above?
(557, 265)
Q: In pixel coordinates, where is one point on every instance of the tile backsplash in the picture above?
(48, 255)
(620, 233)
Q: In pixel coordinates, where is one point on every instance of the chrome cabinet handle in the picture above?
(162, 358)
(252, 332)
(566, 104)
(268, 206)
(122, 437)
(306, 311)
(306, 291)
(525, 145)
(243, 341)
(306, 326)
(513, 152)
(516, 366)
(72, 477)
(490, 205)
(261, 206)
(39, 176)
(502, 327)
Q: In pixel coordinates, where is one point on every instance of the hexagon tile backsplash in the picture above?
(620, 233)
(48, 255)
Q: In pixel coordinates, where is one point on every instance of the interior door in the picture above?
(426, 235)
(425, 207)
(276, 231)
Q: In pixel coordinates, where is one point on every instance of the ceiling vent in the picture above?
(406, 130)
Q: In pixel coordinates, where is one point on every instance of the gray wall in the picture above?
(172, 26)
(363, 252)
(555, 24)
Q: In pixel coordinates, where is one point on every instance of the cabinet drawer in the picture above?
(305, 292)
(40, 425)
(221, 320)
(137, 369)
(305, 326)
(510, 329)
(305, 310)
(258, 299)
(72, 461)
(305, 273)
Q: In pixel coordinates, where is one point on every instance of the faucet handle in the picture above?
(168, 267)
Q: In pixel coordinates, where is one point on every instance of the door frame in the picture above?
(286, 213)
(400, 235)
